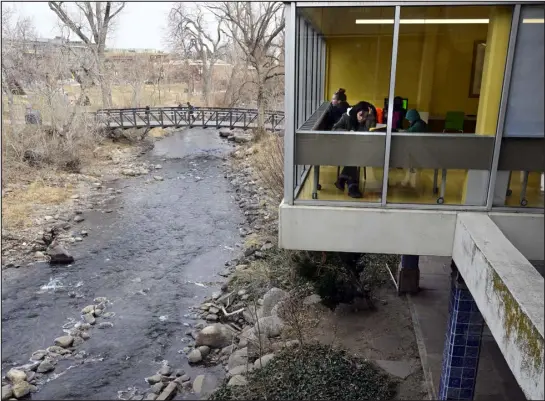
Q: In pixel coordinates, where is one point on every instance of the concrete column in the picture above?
(462, 343)
(408, 276)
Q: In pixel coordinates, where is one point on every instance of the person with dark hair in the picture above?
(361, 117)
(191, 110)
(339, 105)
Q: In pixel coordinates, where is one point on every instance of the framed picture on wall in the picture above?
(477, 66)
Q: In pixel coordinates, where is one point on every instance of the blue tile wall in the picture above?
(462, 345)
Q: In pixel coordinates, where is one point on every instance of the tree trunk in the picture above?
(104, 80)
(206, 87)
(261, 107)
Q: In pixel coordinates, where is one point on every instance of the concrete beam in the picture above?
(509, 293)
(345, 229)
(399, 231)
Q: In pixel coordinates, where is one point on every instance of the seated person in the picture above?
(338, 108)
(361, 117)
(416, 124)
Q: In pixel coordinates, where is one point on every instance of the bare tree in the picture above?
(17, 34)
(92, 26)
(256, 27)
(135, 72)
(189, 34)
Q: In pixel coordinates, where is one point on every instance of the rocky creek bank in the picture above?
(55, 227)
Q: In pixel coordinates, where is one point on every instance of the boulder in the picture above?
(258, 345)
(252, 313)
(263, 361)
(16, 375)
(64, 341)
(20, 389)
(270, 326)
(271, 298)
(215, 336)
(204, 349)
(238, 358)
(237, 380)
(241, 370)
(154, 379)
(312, 299)
(45, 367)
(58, 255)
(204, 384)
(194, 356)
(225, 133)
(7, 392)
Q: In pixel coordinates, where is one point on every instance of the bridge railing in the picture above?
(178, 117)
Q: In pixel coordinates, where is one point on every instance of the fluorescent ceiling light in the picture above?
(533, 21)
(423, 21)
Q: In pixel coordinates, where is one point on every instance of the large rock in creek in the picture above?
(7, 392)
(204, 385)
(16, 375)
(271, 299)
(20, 389)
(59, 255)
(215, 336)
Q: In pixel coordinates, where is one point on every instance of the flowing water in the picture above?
(156, 255)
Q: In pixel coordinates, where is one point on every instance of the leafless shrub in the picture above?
(268, 162)
(45, 147)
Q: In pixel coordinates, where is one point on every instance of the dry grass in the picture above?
(268, 163)
(19, 205)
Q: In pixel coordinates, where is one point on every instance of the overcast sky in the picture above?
(140, 25)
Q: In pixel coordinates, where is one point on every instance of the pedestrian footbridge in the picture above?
(209, 117)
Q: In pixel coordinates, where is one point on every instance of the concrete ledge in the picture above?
(509, 293)
(345, 229)
(525, 231)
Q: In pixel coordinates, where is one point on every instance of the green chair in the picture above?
(454, 122)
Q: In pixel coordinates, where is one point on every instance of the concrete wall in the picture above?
(400, 231)
(509, 293)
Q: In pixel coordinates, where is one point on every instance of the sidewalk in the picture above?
(429, 309)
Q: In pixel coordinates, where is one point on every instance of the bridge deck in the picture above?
(182, 117)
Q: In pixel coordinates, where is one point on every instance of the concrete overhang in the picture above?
(398, 231)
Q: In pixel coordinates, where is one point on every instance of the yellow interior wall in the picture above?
(433, 67)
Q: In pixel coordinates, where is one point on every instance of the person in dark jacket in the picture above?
(361, 117)
(339, 105)
(416, 124)
(191, 111)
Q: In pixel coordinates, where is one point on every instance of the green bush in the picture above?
(312, 372)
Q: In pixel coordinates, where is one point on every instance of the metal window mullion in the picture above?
(390, 106)
(503, 106)
(300, 78)
(289, 104)
(307, 64)
(324, 61)
(316, 71)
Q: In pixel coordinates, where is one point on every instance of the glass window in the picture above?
(449, 77)
(524, 124)
(355, 56)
